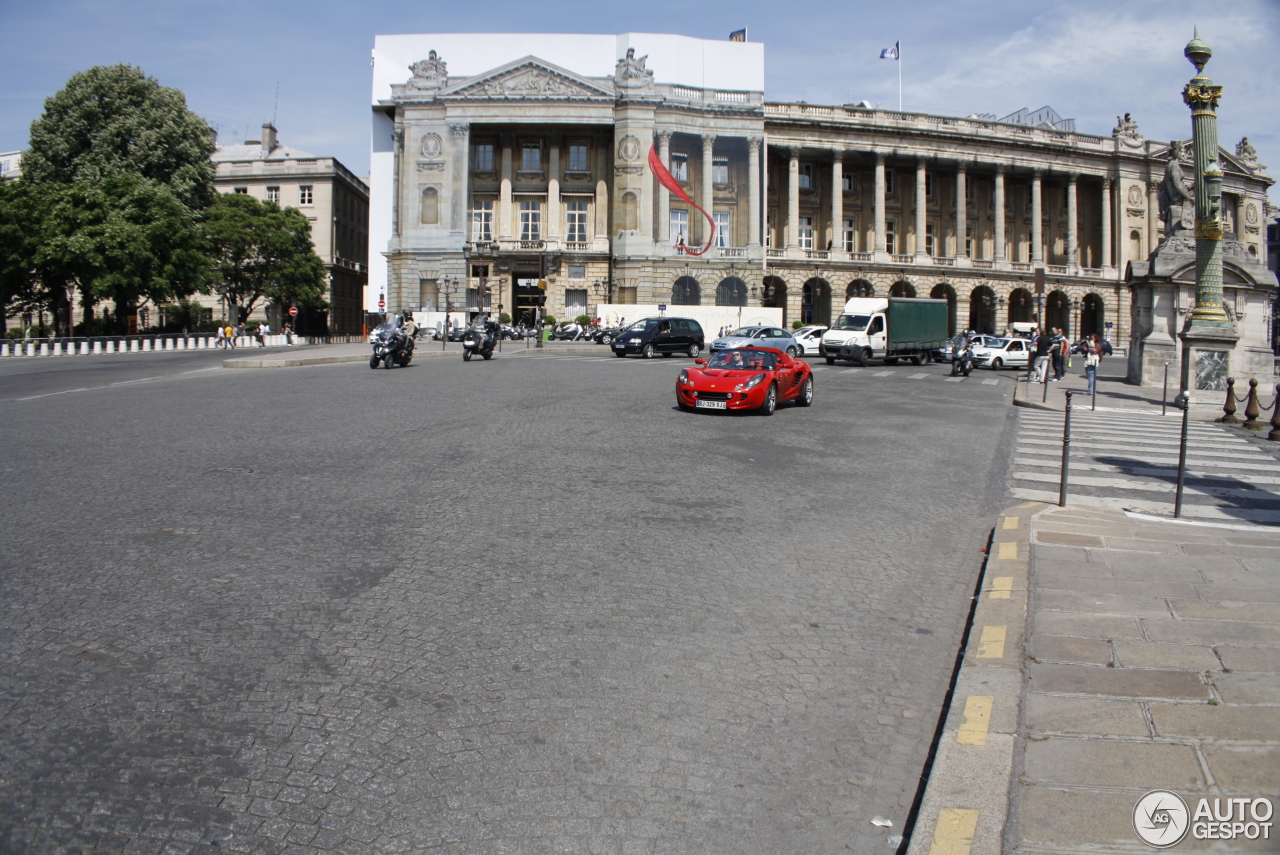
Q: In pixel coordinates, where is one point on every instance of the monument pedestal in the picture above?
(1206, 356)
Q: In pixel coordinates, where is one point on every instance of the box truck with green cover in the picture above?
(888, 328)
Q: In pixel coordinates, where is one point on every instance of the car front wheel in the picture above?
(647, 351)
(791, 351)
(806, 393)
(997, 363)
(770, 400)
(694, 351)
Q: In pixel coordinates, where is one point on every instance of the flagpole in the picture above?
(899, 76)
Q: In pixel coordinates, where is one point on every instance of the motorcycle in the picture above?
(480, 340)
(566, 332)
(390, 346)
(962, 360)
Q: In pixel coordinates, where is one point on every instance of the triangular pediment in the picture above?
(529, 77)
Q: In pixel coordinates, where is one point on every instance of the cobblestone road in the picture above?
(516, 606)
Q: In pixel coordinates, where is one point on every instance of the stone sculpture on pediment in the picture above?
(429, 73)
(1176, 195)
(1248, 155)
(1126, 130)
(631, 73)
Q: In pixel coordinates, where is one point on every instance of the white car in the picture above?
(1000, 353)
(809, 338)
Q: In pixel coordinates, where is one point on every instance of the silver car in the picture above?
(774, 337)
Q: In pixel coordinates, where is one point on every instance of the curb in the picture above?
(1020, 399)
(293, 362)
(966, 800)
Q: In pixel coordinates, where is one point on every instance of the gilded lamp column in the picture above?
(1201, 95)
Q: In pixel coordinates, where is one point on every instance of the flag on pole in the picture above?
(890, 52)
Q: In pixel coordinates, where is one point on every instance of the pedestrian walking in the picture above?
(1043, 344)
(231, 337)
(220, 340)
(1092, 359)
(1059, 350)
(258, 336)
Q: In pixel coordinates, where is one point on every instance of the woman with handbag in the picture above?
(1092, 357)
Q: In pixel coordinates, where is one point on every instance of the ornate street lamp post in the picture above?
(1209, 335)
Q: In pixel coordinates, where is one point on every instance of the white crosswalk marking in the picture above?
(955, 379)
(990, 382)
(882, 374)
(851, 371)
(1129, 460)
(917, 376)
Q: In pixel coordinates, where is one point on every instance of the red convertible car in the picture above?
(748, 378)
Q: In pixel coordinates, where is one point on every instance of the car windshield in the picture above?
(745, 359)
(642, 325)
(741, 332)
(857, 323)
(996, 343)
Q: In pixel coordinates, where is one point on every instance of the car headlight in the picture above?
(750, 384)
(684, 379)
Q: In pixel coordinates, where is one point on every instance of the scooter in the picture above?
(962, 361)
(390, 346)
(480, 340)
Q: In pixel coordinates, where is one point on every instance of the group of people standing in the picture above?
(227, 335)
(1052, 349)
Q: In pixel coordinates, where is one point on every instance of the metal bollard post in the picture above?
(1066, 453)
(1183, 400)
(1251, 408)
(1164, 398)
(1274, 436)
(1044, 393)
(1229, 408)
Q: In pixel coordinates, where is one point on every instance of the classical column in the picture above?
(602, 207)
(1000, 254)
(552, 231)
(504, 196)
(753, 184)
(1153, 214)
(962, 212)
(921, 203)
(879, 203)
(1201, 94)
(708, 183)
(664, 195)
(461, 134)
(1106, 223)
(397, 149)
(1073, 224)
(837, 200)
(793, 198)
(1037, 228)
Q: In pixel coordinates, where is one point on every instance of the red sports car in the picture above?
(747, 378)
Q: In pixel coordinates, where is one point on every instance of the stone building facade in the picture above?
(336, 204)
(532, 170)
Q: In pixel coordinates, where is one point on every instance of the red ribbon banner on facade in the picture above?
(665, 179)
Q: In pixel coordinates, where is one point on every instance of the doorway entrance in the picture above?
(526, 298)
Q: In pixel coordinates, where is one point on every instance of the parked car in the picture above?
(773, 337)
(668, 336)
(1000, 353)
(809, 338)
(747, 378)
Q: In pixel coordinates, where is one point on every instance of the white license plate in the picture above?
(713, 405)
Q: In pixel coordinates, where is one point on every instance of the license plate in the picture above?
(713, 405)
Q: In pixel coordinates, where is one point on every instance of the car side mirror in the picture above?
(700, 361)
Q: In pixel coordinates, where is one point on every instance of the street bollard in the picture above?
(1229, 408)
(1251, 408)
(1183, 400)
(1274, 436)
(1066, 453)
(1164, 398)
(1044, 393)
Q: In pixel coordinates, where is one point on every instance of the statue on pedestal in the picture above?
(1176, 195)
(631, 73)
(429, 73)
(1126, 129)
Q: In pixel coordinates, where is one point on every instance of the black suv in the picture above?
(651, 336)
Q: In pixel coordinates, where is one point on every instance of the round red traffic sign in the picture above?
(293, 310)
(382, 304)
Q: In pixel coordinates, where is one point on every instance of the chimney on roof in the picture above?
(268, 137)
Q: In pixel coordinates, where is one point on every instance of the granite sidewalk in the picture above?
(1111, 655)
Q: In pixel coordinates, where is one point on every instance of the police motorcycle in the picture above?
(393, 342)
(961, 356)
(480, 339)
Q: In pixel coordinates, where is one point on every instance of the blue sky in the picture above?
(1089, 59)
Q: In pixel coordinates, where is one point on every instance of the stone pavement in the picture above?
(1110, 655)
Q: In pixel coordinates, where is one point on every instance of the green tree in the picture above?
(262, 252)
(113, 120)
(20, 283)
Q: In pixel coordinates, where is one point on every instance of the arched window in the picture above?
(859, 288)
(943, 291)
(815, 302)
(982, 310)
(1057, 312)
(1021, 306)
(1092, 315)
(430, 206)
(686, 292)
(774, 295)
(731, 291)
(902, 288)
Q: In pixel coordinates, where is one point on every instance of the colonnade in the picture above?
(706, 190)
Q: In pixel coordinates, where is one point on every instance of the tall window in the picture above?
(530, 220)
(530, 157)
(928, 239)
(484, 157)
(575, 301)
(968, 239)
(890, 237)
(806, 233)
(241, 191)
(304, 195)
(888, 182)
(806, 176)
(482, 220)
(680, 167)
(722, 227)
(847, 181)
(679, 225)
(850, 235)
(577, 158)
(577, 214)
(928, 184)
(720, 170)
(273, 195)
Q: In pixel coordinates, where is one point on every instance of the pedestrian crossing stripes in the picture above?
(1128, 460)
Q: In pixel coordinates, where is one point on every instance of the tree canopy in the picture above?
(263, 252)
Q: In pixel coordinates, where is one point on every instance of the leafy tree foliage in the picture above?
(263, 252)
(113, 120)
